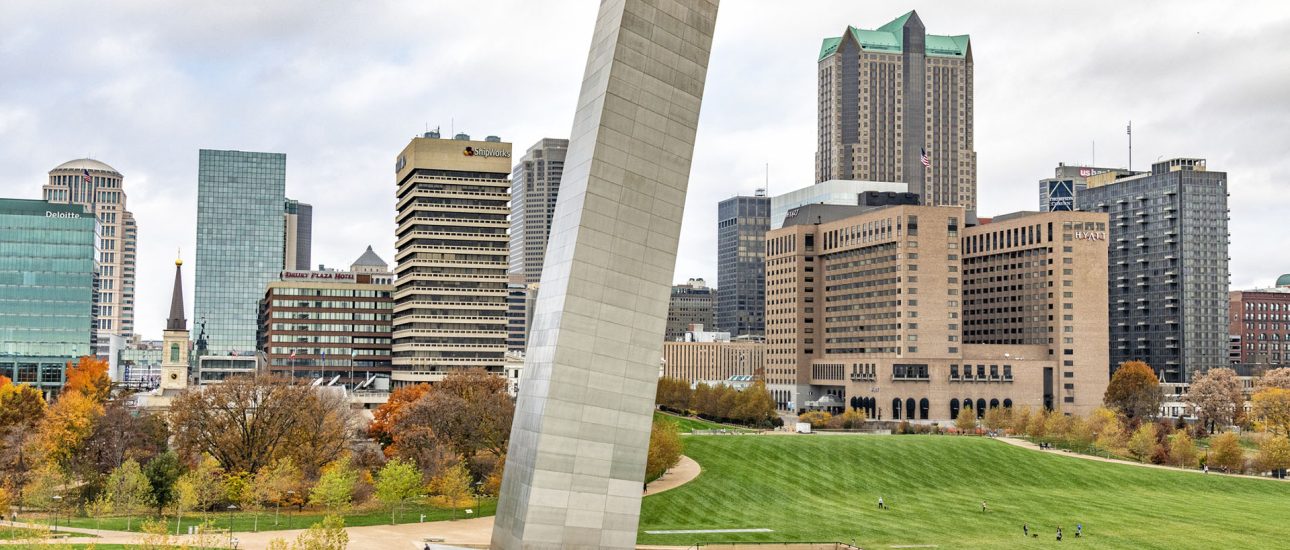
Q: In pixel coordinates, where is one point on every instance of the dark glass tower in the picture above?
(742, 223)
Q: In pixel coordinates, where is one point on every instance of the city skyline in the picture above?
(155, 87)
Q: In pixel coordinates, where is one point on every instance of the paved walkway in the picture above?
(468, 533)
(1018, 442)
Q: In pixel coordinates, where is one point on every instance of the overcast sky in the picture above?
(340, 87)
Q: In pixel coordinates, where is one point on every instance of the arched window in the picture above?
(1007, 403)
(967, 403)
(924, 407)
(895, 409)
(174, 353)
(910, 411)
(954, 408)
(994, 403)
(980, 408)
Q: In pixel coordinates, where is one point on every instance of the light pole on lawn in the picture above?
(291, 494)
(479, 501)
(58, 504)
(232, 510)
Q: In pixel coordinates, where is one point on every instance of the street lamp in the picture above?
(289, 494)
(234, 542)
(58, 500)
(231, 511)
(479, 501)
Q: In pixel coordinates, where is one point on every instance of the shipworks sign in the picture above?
(485, 152)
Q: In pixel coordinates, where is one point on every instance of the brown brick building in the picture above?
(907, 314)
(1259, 324)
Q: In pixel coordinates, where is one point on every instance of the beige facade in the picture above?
(98, 187)
(712, 361)
(451, 256)
(905, 313)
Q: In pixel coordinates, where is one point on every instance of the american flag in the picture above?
(926, 162)
(293, 354)
(85, 175)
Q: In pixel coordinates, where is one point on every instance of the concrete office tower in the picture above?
(1259, 326)
(895, 104)
(535, 184)
(905, 313)
(451, 247)
(298, 222)
(690, 304)
(742, 223)
(240, 241)
(1168, 266)
(97, 187)
(1058, 193)
(577, 453)
(47, 265)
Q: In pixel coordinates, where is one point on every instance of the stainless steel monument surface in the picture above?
(576, 462)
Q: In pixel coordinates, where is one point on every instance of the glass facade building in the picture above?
(742, 223)
(48, 262)
(1168, 268)
(240, 243)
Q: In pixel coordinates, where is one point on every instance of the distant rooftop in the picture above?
(370, 259)
(889, 38)
(86, 164)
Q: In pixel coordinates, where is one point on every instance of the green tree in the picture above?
(278, 481)
(198, 489)
(1182, 450)
(328, 535)
(965, 422)
(664, 449)
(335, 489)
(163, 471)
(1134, 390)
(43, 484)
(397, 482)
(1271, 406)
(129, 490)
(1143, 443)
(817, 419)
(1274, 453)
(1225, 452)
(452, 486)
(754, 406)
(998, 418)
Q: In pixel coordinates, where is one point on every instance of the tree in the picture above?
(673, 394)
(1020, 420)
(1143, 443)
(22, 408)
(1225, 452)
(703, 399)
(387, 415)
(277, 482)
(162, 472)
(129, 490)
(469, 411)
(1182, 450)
(66, 426)
(664, 449)
(1216, 397)
(89, 378)
(1271, 406)
(117, 435)
(156, 535)
(451, 487)
(998, 418)
(335, 489)
(817, 419)
(1274, 453)
(245, 423)
(1038, 422)
(754, 406)
(322, 434)
(1134, 390)
(239, 489)
(198, 489)
(43, 485)
(965, 422)
(1275, 378)
(853, 419)
(330, 534)
(397, 482)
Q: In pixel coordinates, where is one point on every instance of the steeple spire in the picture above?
(177, 320)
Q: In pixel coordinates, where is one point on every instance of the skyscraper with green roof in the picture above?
(895, 104)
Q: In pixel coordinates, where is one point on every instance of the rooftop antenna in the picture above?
(1094, 162)
(1129, 131)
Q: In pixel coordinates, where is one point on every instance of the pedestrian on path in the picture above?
(983, 506)
(1025, 529)
(881, 505)
(1079, 530)
(1059, 534)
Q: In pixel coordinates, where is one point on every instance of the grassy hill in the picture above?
(689, 424)
(825, 488)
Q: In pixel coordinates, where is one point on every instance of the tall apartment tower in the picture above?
(240, 243)
(298, 231)
(742, 223)
(690, 303)
(1168, 279)
(535, 183)
(895, 104)
(97, 187)
(450, 299)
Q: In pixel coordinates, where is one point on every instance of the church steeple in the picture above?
(177, 320)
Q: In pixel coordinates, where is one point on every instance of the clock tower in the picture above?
(174, 360)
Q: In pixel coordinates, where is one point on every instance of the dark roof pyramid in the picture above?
(370, 259)
(177, 320)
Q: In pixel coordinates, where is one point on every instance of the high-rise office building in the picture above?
(742, 223)
(298, 232)
(1057, 194)
(895, 104)
(240, 242)
(1168, 266)
(97, 187)
(47, 278)
(535, 184)
(905, 313)
(1259, 325)
(450, 302)
(692, 303)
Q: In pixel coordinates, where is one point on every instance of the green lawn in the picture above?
(245, 521)
(825, 488)
(19, 533)
(688, 424)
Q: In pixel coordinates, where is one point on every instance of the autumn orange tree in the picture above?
(66, 426)
(22, 408)
(1134, 390)
(89, 377)
(387, 415)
